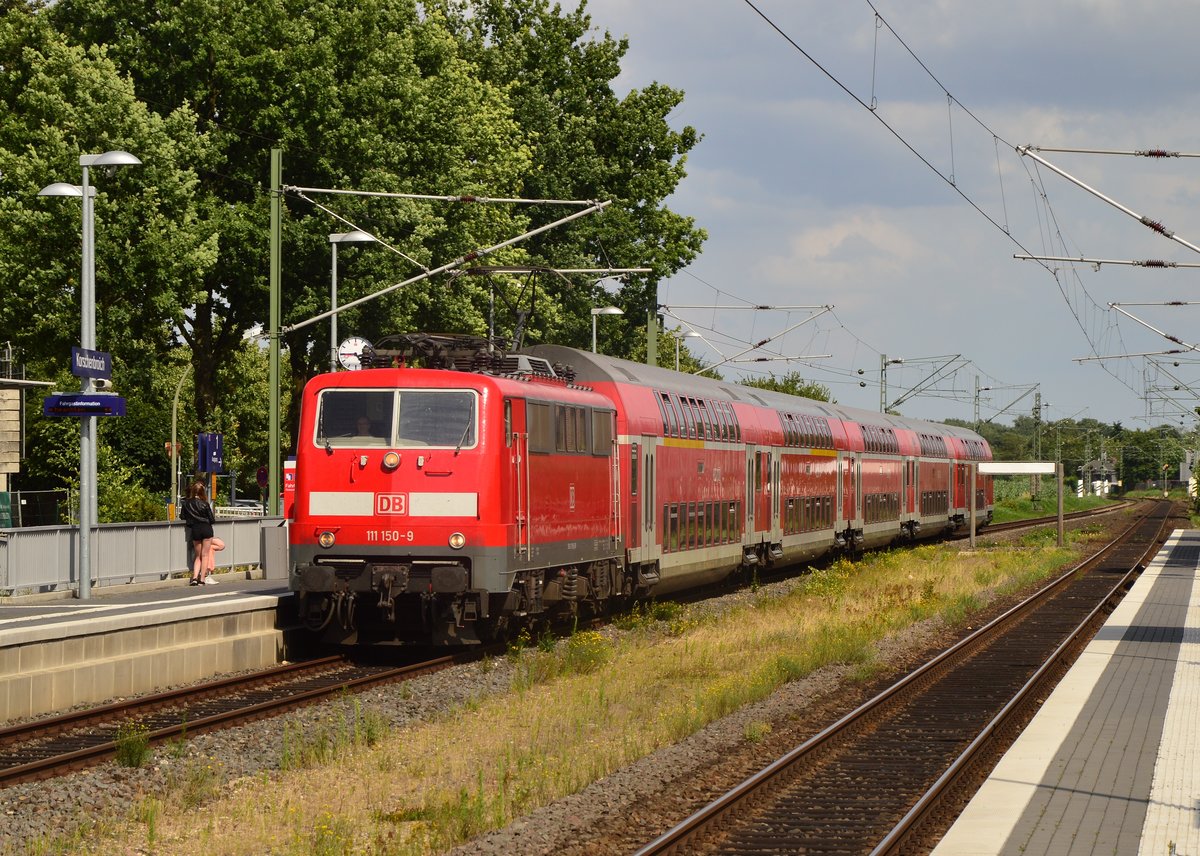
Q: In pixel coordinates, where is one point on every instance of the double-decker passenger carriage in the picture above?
(451, 491)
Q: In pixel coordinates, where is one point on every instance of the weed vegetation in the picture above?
(576, 711)
(133, 744)
(1023, 507)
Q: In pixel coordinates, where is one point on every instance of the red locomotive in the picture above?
(461, 491)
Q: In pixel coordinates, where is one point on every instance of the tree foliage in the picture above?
(445, 98)
(792, 383)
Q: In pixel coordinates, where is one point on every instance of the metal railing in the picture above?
(45, 558)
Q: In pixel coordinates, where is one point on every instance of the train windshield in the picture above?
(396, 418)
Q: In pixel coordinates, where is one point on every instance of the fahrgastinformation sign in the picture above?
(83, 404)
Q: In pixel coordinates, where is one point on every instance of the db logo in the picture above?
(390, 503)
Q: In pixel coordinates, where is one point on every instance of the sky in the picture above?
(906, 217)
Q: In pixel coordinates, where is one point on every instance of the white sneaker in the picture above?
(210, 581)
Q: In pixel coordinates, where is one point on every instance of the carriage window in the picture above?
(723, 422)
(571, 433)
(541, 428)
(670, 426)
(676, 407)
(581, 429)
(602, 430)
(710, 425)
(561, 427)
(355, 417)
(696, 430)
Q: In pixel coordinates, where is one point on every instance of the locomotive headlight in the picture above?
(457, 541)
(326, 539)
(391, 460)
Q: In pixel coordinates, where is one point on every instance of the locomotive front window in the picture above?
(442, 418)
(396, 418)
(355, 417)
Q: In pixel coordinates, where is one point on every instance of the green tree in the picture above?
(792, 383)
(366, 95)
(442, 98)
(587, 143)
(66, 101)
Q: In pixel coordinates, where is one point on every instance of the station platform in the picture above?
(1111, 762)
(59, 652)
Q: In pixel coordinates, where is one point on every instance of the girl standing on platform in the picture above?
(199, 516)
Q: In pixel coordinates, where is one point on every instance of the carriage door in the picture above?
(649, 503)
(764, 500)
(635, 497)
(849, 505)
(859, 502)
(776, 465)
(516, 439)
(751, 493)
(839, 508)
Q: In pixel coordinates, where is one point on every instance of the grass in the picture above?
(347, 728)
(576, 711)
(1023, 507)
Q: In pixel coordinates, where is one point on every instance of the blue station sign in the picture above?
(83, 404)
(95, 364)
(210, 454)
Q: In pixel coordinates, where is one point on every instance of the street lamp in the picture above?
(690, 334)
(355, 236)
(87, 341)
(604, 310)
(174, 446)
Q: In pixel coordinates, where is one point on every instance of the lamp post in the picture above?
(355, 236)
(690, 334)
(174, 444)
(87, 341)
(603, 310)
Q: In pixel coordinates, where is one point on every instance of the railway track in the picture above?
(892, 775)
(61, 744)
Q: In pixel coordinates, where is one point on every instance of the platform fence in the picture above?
(45, 558)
